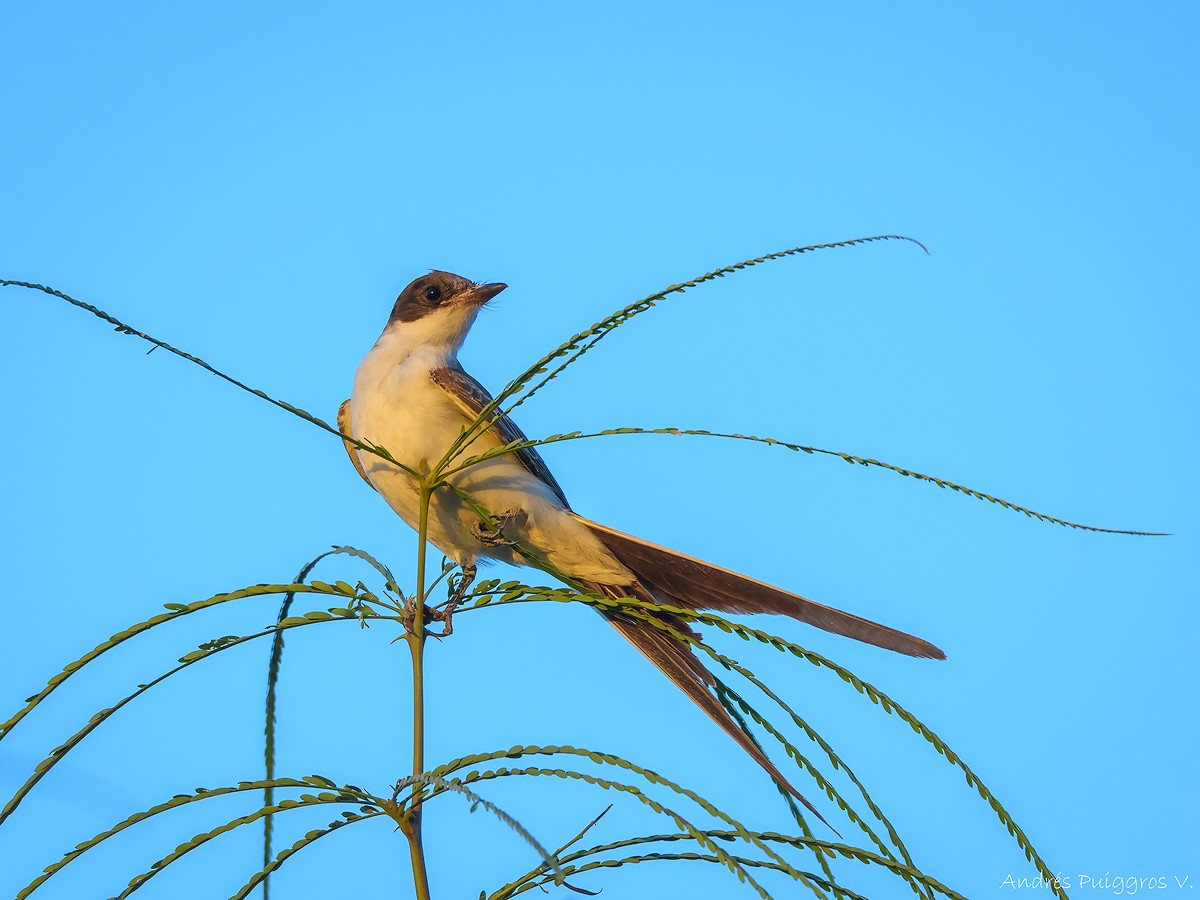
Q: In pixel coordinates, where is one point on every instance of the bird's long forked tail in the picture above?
(675, 659)
(690, 583)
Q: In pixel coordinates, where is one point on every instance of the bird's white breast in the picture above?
(397, 406)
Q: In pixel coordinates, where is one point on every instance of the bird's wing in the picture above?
(472, 397)
(694, 584)
(343, 424)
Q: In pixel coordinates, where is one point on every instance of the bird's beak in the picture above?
(479, 294)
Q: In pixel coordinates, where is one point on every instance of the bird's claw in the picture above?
(445, 615)
(428, 614)
(492, 534)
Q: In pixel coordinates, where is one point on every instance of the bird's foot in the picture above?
(492, 534)
(428, 614)
(446, 614)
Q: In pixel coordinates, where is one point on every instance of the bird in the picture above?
(412, 398)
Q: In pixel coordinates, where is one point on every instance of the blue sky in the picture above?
(255, 185)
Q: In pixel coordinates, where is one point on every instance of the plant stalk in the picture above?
(415, 638)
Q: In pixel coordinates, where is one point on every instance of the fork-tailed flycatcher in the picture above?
(413, 399)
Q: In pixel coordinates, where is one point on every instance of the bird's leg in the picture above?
(490, 535)
(446, 614)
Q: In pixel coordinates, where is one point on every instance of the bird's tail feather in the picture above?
(694, 584)
(677, 661)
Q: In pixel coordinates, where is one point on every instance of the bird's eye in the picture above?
(433, 293)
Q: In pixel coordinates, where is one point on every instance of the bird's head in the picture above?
(438, 309)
